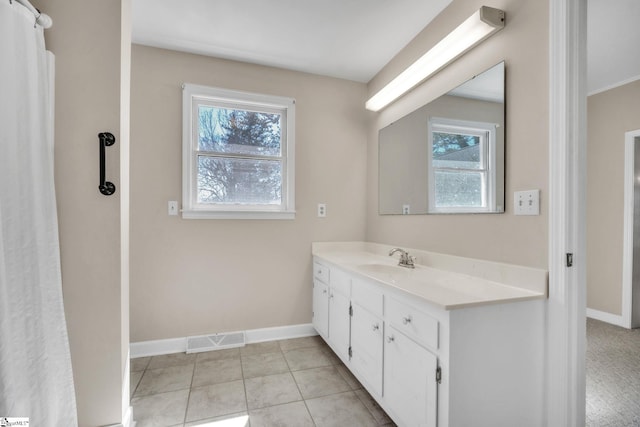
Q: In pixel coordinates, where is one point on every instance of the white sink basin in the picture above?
(385, 271)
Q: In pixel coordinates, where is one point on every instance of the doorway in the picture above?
(631, 251)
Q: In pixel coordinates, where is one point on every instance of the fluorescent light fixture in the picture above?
(471, 32)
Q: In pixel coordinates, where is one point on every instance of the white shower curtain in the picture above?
(35, 366)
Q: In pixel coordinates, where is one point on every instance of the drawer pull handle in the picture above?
(390, 339)
(406, 320)
(376, 327)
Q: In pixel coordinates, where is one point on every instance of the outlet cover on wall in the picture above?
(322, 210)
(526, 202)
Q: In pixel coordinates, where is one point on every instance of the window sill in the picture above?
(194, 214)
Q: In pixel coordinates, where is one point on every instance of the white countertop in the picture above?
(447, 288)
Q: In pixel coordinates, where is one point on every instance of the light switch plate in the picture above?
(172, 208)
(526, 202)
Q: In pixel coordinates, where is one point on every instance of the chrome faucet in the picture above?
(406, 260)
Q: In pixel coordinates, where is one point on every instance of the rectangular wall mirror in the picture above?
(448, 155)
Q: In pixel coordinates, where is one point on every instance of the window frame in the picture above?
(196, 95)
(487, 152)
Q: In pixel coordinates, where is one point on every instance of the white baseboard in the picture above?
(614, 319)
(157, 347)
(179, 345)
(280, 333)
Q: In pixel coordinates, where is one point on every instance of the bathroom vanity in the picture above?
(451, 342)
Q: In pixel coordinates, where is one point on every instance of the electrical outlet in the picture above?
(322, 210)
(526, 202)
(173, 207)
(406, 209)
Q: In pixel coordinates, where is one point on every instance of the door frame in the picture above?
(627, 238)
(566, 309)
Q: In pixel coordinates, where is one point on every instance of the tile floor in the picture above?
(298, 382)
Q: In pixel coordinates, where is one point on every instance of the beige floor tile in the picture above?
(349, 377)
(304, 342)
(288, 415)
(139, 364)
(318, 382)
(306, 358)
(260, 347)
(339, 410)
(216, 400)
(134, 380)
(260, 365)
(375, 410)
(333, 358)
(271, 390)
(160, 410)
(165, 379)
(227, 353)
(241, 419)
(175, 359)
(217, 371)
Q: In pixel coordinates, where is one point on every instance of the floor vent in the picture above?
(215, 342)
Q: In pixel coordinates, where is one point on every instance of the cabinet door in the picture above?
(339, 323)
(366, 347)
(321, 308)
(410, 386)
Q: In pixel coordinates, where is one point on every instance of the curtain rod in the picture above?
(42, 19)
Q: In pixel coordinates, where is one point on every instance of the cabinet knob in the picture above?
(376, 327)
(390, 339)
(406, 320)
(324, 291)
(330, 295)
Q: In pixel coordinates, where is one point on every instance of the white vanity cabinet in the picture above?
(429, 365)
(331, 305)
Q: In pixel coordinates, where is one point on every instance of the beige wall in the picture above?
(523, 45)
(610, 114)
(191, 277)
(87, 37)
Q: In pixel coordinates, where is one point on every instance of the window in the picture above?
(462, 176)
(238, 154)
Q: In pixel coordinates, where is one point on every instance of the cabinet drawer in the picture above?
(413, 322)
(368, 296)
(321, 272)
(341, 282)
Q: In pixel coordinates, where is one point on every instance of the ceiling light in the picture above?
(475, 29)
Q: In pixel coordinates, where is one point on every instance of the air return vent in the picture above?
(215, 342)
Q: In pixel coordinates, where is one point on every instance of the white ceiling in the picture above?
(613, 43)
(352, 39)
